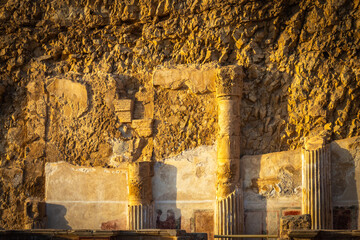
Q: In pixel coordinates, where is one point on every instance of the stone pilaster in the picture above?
(229, 213)
(140, 208)
(316, 184)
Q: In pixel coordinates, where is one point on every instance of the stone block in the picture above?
(144, 132)
(73, 95)
(142, 123)
(11, 176)
(124, 117)
(36, 150)
(41, 108)
(199, 79)
(122, 105)
(294, 222)
(143, 127)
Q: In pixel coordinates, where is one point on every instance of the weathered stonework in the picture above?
(229, 214)
(183, 190)
(143, 127)
(124, 110)
(35, 214)
(141, 208)
(199, 79)
(298, 222)
(185, 116)
(73, 96)
(316, 185)
(64, 63)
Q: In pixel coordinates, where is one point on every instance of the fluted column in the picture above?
(140, 208)
(316, 184)
(229, 213)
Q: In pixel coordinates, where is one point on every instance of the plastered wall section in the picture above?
(185, 186)
(84, 198)
(272, 187)
(345, 183)
(184, 190)
(183, 193)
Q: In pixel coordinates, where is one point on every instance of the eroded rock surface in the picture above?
(64, 63)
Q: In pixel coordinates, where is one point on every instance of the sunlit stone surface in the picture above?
(219, 96)
(141, 206)
(229, 211)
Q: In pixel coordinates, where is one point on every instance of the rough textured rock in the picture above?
(35, 214)
(294, 222)
(197, 79)
(301, 66)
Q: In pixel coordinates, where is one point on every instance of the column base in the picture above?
(140, 216)
(229, 214)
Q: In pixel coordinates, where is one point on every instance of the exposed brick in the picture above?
(123, 105)
(124, 117)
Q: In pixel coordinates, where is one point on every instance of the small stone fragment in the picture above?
(122, 105)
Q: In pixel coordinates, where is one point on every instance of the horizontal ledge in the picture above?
(126, 202)
(246, 236)
(185, 201)
(86, 202)
(324, 233)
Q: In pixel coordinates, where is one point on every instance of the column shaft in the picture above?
(140, 208)
(229, 213)
(141, 216)
(316, 184)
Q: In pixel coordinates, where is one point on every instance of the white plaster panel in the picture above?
(84, 197)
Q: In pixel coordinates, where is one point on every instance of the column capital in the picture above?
(229, 81)
(314, 143)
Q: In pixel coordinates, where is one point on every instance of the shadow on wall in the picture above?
(255, 219)
(168, 216)
(264, 120)
(344, 188)
(272, 189)
(58, 222)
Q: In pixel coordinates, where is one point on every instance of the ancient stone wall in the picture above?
(273, 187)
(184, 195)
(67, 68)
